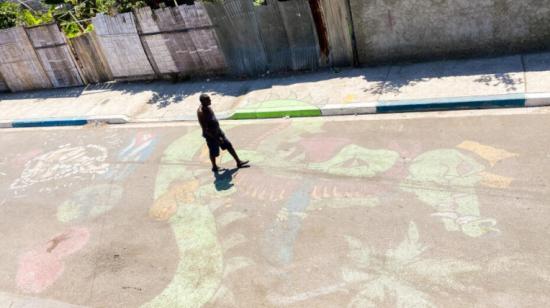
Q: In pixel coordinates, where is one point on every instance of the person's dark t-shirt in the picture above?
(209, 123)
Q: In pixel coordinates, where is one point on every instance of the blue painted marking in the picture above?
(50, 122)
(474, 102)
(280, 238)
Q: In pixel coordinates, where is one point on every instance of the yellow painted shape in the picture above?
(350, 98)
(494, 180)
(178, 193)
(489, 153)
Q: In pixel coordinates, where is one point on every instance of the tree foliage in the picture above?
(9, 13)
(12, 14)
(73, 16)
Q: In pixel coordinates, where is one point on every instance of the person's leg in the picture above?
(213, 161)
(225, 144)
(231, 150)
(214, 151)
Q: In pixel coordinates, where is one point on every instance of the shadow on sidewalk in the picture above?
(383, 79)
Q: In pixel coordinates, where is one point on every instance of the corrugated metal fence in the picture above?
(233, 36)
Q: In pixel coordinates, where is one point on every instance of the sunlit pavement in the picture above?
(447, 211)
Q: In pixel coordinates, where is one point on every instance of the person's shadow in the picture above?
(224, 179)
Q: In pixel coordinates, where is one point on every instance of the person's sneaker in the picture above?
(242, 163)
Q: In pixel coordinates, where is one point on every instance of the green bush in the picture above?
(9, 14)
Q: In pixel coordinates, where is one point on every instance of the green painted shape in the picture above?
(184, 148)
(445, 179)
(433, 175)
(173, 160)
(200, 270)
(354, 160)
(276, 109)
(89, 202)
(253, 156)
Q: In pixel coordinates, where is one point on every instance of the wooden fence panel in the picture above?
(90, 58)
(19, 64)
(52, 50)
(274, 36)
(161, 48)
(302, 36)
(338, 25)
(203, 36)
(239, 36)
(180, 40)
(122, 47)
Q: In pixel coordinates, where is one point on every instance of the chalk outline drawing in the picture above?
(63, 162)
(381, 275)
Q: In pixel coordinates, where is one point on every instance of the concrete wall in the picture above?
(388, 30)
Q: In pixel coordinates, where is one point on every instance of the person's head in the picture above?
(205, 99)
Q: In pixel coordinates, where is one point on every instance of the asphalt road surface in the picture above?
(433, 210)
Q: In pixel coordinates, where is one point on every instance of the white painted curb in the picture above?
(537, 99)
(348, 109)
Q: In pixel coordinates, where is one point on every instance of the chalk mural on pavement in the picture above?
(89, 202)
(63, 162)
(42, 266)
(137, 151)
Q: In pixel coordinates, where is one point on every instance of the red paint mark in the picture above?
(41, 267)
(320, 149)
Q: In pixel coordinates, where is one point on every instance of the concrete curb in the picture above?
(456, 103)
(537, 99)
(439, 104)
(348, 109)
(69, 121)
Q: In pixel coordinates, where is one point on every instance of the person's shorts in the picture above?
(214, 145)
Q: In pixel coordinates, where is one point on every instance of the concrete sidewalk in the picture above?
(473, 83)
